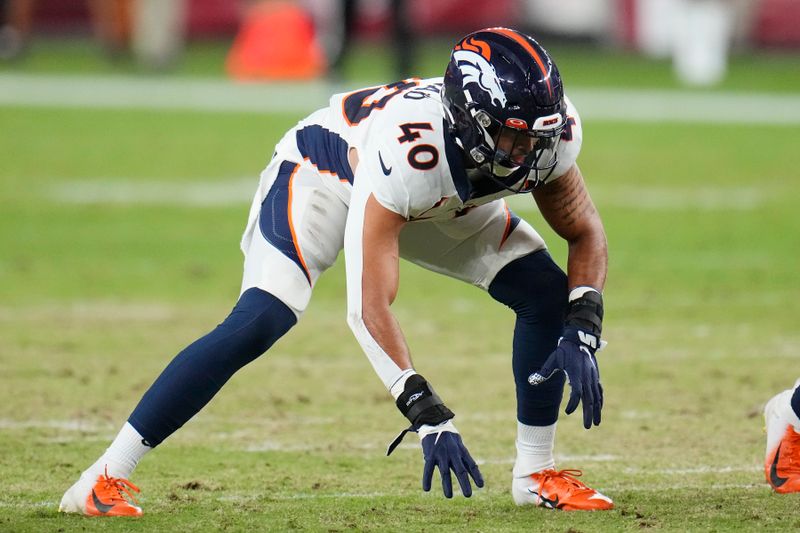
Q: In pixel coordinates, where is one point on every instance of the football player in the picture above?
(416, 169)
(782, 461)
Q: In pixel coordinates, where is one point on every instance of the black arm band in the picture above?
(586, 312)
(420, 403)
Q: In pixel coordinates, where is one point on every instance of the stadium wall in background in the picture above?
(629, 22)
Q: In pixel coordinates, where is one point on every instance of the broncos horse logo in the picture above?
(475, 68)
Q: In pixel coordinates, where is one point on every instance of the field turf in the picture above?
(107, 270)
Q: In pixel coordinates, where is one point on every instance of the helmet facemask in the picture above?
(503, 149)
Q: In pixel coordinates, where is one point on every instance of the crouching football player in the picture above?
(782, 461)
(416, 169)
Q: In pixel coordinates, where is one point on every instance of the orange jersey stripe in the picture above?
(528, 48)
(506, 231)
(291, 224)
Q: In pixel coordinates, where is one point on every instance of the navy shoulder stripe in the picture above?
(326, 150)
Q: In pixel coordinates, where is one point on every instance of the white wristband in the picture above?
(425, 429)
(399, 384)
(579, 291)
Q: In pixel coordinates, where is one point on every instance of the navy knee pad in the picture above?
(535, 287)
(197, 373)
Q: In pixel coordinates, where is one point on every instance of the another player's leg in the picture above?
(294, 234)
(536, 289)
(782, 461)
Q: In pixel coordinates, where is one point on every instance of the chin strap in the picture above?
(398, 439)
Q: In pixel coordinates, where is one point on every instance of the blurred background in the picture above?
(690, 42)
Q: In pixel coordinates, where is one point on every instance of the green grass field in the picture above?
(96, 296)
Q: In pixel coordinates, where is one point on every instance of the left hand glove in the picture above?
(575, 356)
(442, 447)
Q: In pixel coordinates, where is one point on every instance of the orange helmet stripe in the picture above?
(516, 37)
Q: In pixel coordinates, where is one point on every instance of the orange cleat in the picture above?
(782, 462)
(560, 489)
(107, 497)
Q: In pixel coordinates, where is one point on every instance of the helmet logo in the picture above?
(476, 45)
(516, 123)
(476, 69)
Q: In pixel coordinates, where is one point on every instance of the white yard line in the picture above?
(268, 445)
(716, 107)
(28, 505)
(137, 92)
(610, 489)
(479, 493)
(560, 459)
(238, 191)
(65, 425)
(702, 198)
(87, 310)
(696, 470)
(321, 496)
(198, 193)
(757, 486)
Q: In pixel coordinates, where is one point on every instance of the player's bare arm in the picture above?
(429, 417)
(380, 279)
(566, 205)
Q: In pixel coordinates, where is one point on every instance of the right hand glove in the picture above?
(575, 357)
(442, 447)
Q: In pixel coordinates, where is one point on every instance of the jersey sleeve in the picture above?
(379, 164)
(570, 145)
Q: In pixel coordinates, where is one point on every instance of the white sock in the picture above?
(785, 408)
(534, 449)
(122, 456)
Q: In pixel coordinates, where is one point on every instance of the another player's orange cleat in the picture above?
(782, 462)
(107, 497)
(559, 490)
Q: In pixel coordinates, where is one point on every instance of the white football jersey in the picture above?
(311, 204)
(416, 169)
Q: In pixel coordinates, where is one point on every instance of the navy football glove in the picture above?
(575, 356)
(442, 447)
(441, 443)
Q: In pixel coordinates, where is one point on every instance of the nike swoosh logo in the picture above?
(386, 171)
(102, 507)
(774, 478)
(544, 501)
